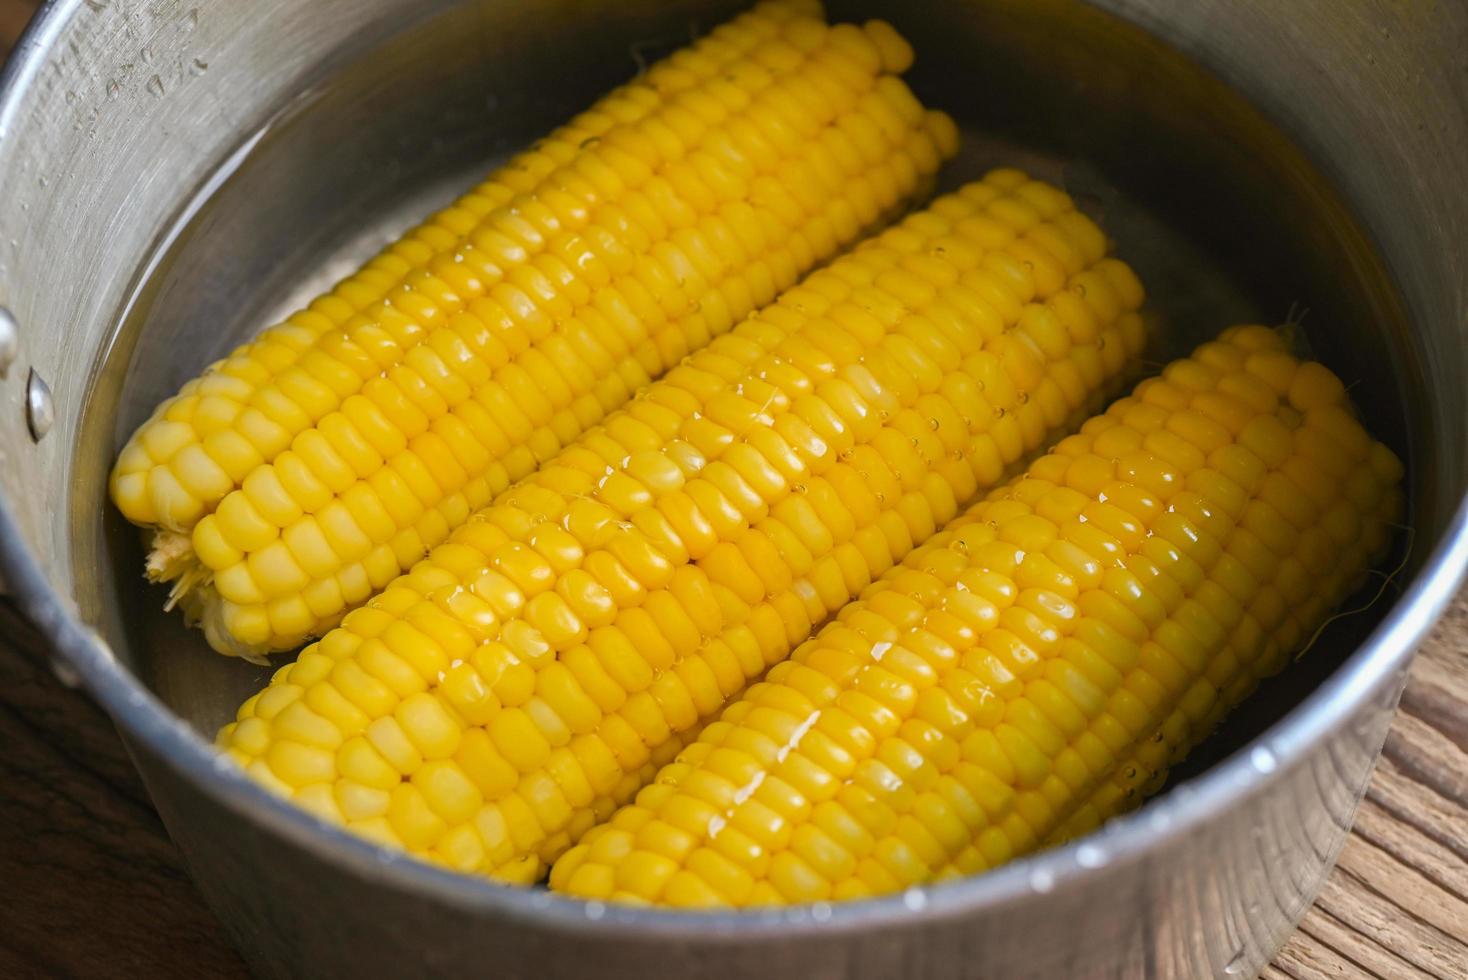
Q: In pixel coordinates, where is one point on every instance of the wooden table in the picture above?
(90, 884)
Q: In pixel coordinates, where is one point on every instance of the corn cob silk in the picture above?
(509, 692)
(311, 466)
(1035, 668)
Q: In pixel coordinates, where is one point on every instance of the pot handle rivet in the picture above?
(40, 412)
(9, 340)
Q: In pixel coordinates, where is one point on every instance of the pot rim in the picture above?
(1368, 672)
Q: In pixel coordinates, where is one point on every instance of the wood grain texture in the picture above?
(90, 884)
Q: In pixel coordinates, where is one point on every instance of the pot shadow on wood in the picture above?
(92, 884)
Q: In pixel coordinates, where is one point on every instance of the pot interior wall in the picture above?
(1222, 217)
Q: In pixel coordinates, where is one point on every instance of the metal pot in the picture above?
(170, 171)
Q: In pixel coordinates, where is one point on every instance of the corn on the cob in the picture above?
(149, 484)
(1035, 668)
(642, 241)
(484, 711)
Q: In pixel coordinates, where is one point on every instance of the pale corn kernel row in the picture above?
(282, 573)
(481, 709)
(1340, 478)
(244, 409)
(1035, 667)
(404, 327)
(1321, 512)
(433, 260)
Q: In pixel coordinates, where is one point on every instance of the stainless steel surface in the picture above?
(168, 171)
(40, 407)
(9, 341)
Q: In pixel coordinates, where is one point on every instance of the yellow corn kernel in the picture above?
(554, 717)
(1103, 683)
(367, 428)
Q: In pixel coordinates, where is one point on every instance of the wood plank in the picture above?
(1379, 919)
(1410, 891)
(1436, 694)
(1308, 958)
(1419, 806)
(102, 890)
(1429, 756)
(1369, 957)
(1413, 848)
